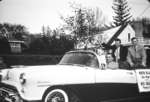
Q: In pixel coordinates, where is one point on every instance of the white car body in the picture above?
(32, 82)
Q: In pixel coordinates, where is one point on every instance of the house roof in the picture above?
(116, 34)
(108, 36)
(15, 41)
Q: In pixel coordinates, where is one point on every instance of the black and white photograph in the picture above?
(74, 50)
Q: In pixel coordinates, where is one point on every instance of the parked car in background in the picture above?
(81, 76)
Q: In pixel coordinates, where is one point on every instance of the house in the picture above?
(124, 33)
(140, 29)
(16, 46)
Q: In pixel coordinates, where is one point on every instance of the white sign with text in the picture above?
(143, 79)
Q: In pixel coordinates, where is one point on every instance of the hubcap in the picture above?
(56, 97)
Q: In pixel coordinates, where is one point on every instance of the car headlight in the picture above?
(0, 76)
(22, 78)
(4, 74)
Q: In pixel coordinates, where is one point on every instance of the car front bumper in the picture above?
(8, 95)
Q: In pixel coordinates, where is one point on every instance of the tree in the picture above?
(146, 25)
(83, 24)
(142, 26)
(13, 31)
(122, 12)
(81, 28)
(55, 44)
(19, 32)
(60, 43)
(4, 46)
(76, 24)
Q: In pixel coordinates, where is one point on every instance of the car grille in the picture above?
(0, 78)
(8, 93)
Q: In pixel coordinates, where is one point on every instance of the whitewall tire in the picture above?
(56, 95)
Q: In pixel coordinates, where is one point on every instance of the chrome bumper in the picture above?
(7, 95)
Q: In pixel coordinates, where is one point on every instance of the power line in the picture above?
(138, 2)
(144, 10)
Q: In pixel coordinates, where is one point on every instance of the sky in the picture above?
(34, 14)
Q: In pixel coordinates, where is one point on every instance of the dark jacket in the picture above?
(123, 52)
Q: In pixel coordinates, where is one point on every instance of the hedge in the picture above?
(31, 59)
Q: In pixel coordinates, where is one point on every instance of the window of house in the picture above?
(129, 37)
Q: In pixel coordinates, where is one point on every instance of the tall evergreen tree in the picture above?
(81, 30)
(122, 12)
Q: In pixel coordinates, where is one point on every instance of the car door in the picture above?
(116, 84)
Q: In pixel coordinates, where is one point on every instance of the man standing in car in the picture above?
(119, 53)
(136, 54)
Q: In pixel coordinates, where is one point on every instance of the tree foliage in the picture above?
(122, 12)
(83, 24)
(77, 24)
(13, 31)
(146, 25)
(60, 45)
(142, 24)
(56, 43)
(4, 46)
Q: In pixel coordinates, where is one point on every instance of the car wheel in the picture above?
(56, 95)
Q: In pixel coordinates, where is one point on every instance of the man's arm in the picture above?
(144, 56)
(129, 58)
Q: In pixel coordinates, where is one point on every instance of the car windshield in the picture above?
(80, 58)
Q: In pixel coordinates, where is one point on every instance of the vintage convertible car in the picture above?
(79, 77)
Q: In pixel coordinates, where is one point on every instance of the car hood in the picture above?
(48, 68)
(51, 74)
